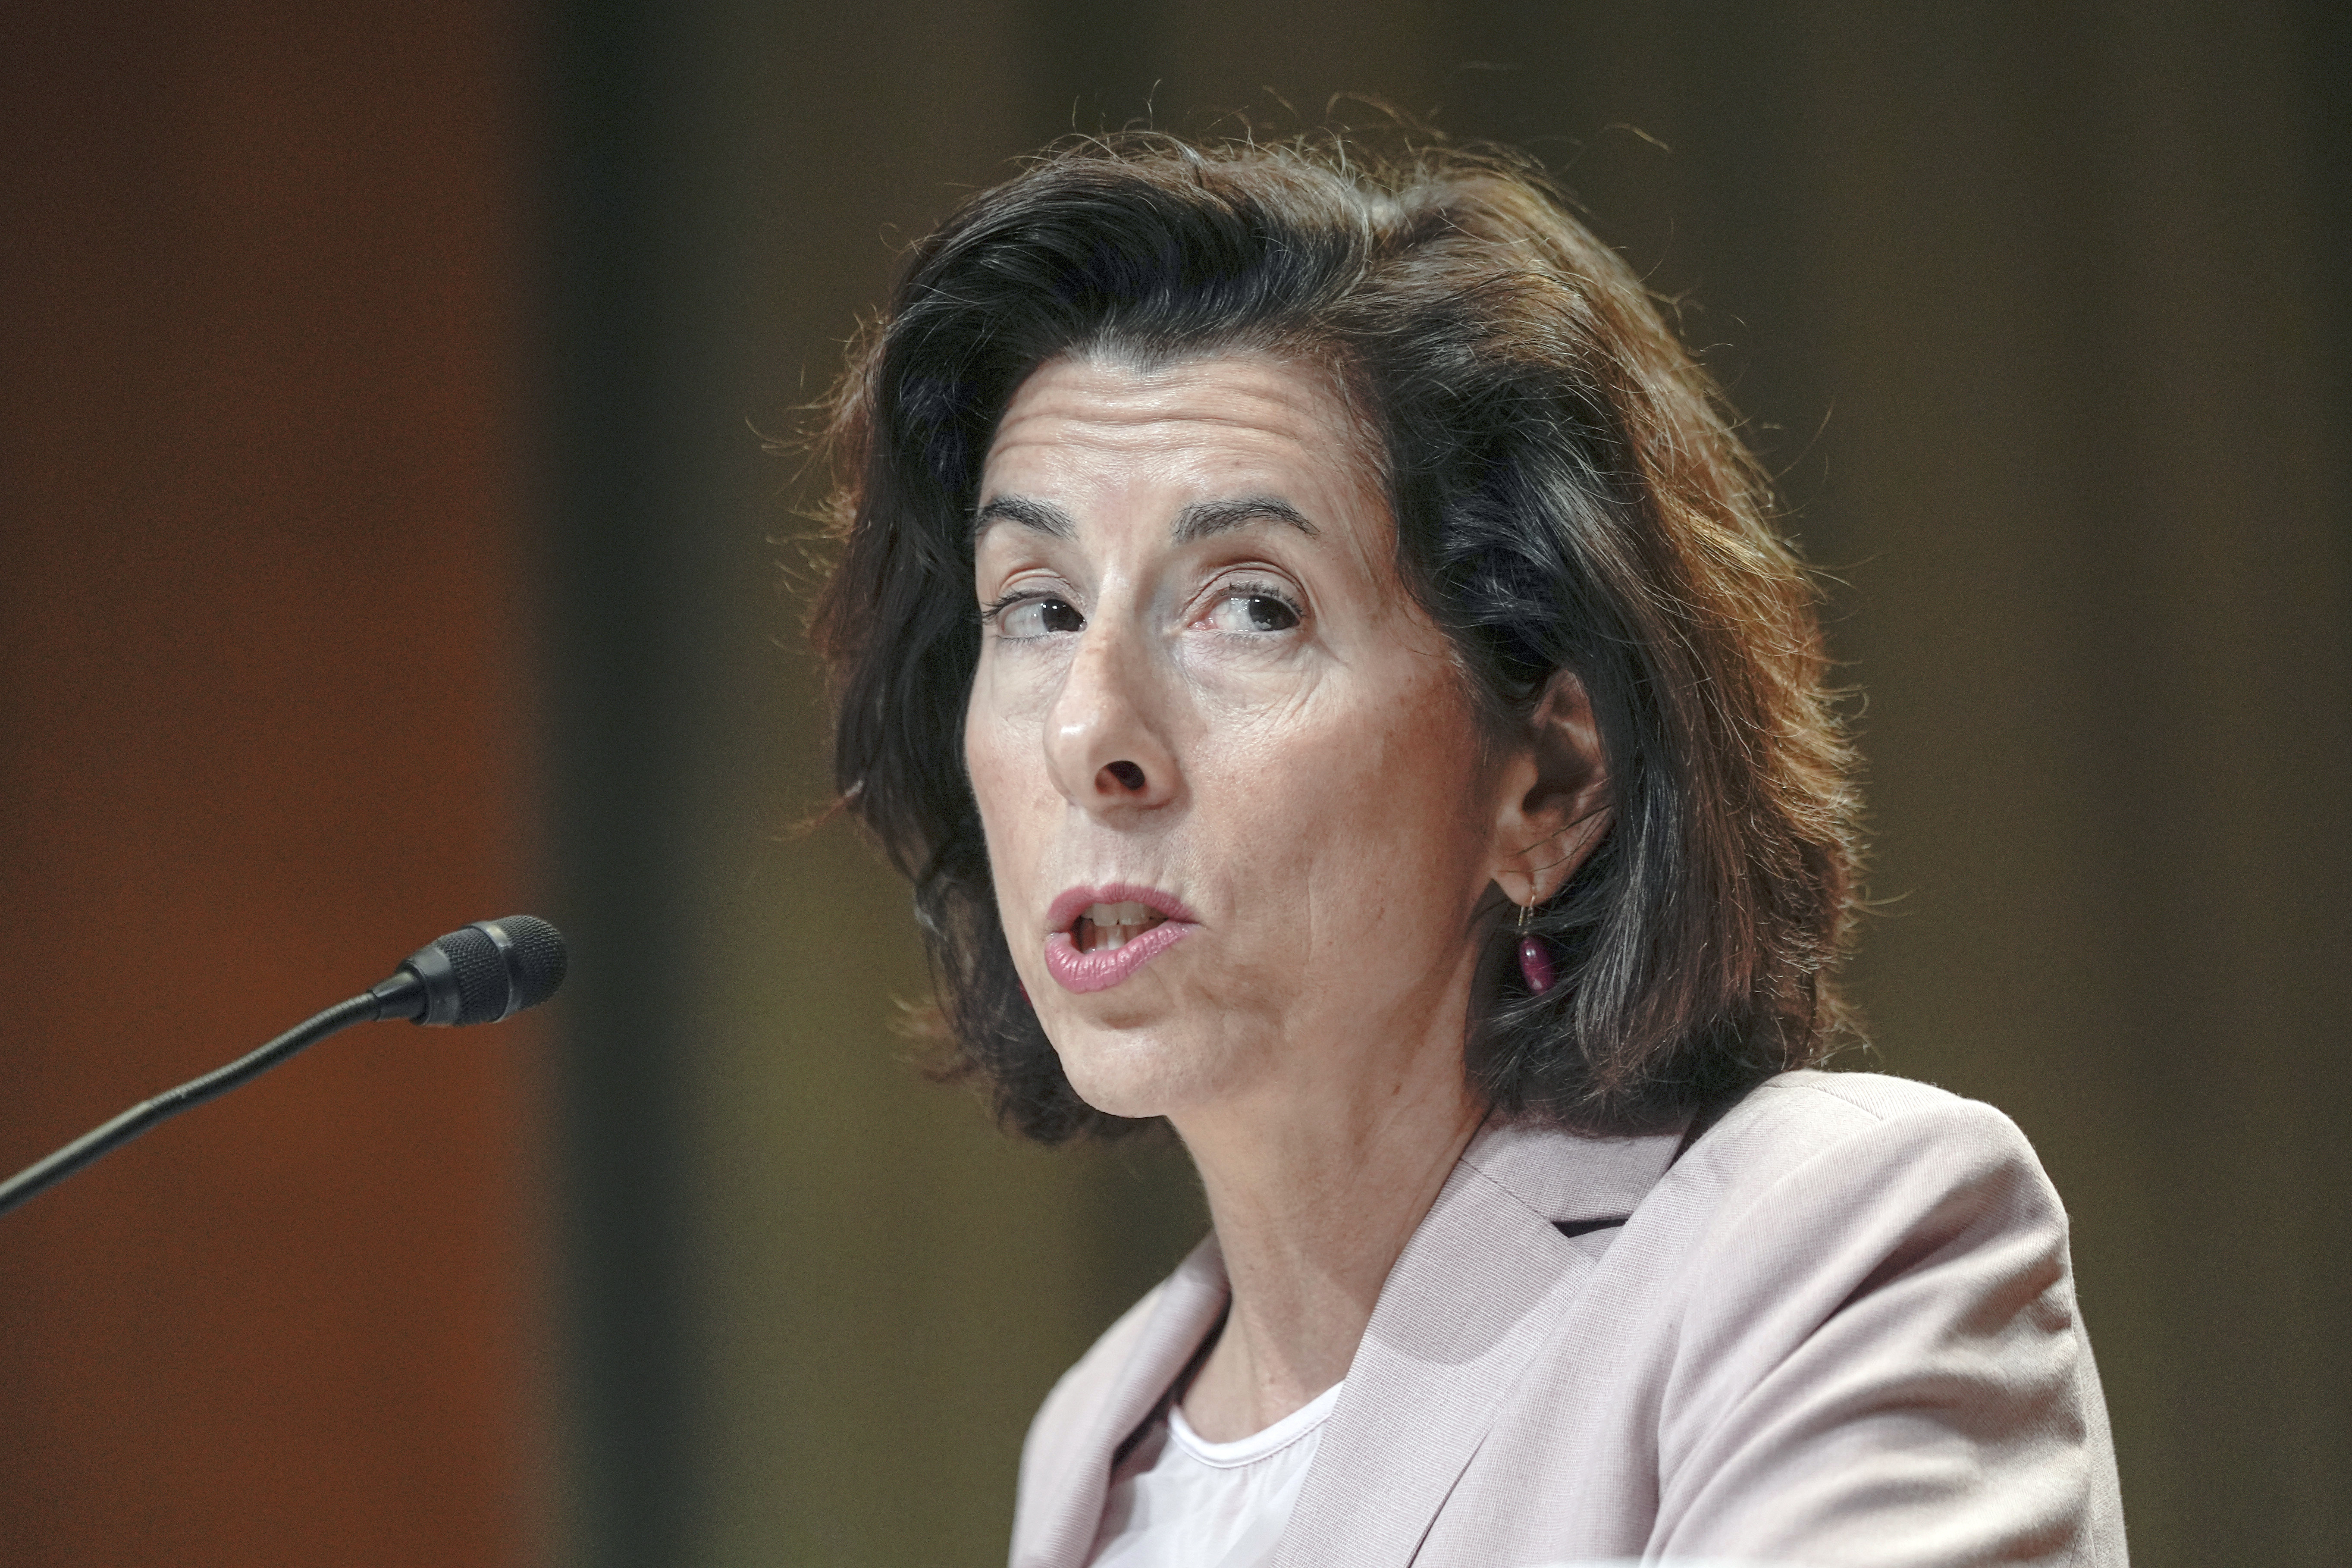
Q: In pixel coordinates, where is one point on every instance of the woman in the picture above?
(1312, 639)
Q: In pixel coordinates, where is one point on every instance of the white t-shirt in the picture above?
(1181, 1501)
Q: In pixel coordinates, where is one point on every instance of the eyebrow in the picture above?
(1039, 516)
(1201, 519)
(1205, 519)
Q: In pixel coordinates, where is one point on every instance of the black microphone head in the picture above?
(488, 971)
(534, 954)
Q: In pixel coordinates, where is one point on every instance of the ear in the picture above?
(1554, 796)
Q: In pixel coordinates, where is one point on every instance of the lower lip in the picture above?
(1106, 967)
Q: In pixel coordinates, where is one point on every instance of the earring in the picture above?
(1535, 958)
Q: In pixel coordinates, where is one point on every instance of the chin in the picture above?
(1137, 1075)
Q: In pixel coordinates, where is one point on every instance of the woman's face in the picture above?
(1233, 785)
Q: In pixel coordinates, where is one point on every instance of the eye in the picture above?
(1039, 614)
(1253, 610)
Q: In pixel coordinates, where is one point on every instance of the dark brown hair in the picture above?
(1567, 494)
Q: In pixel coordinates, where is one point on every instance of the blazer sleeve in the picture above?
(1881, 1362)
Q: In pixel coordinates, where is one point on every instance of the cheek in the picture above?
(1404, 809)
(1354, 813)
(993, 755)
(1020, 810)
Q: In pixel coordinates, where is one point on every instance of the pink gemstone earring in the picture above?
(1535, 958)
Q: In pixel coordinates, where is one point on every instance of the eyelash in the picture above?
(1245, 589)
(990, 613)
(1248, 590)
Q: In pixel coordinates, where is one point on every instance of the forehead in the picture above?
(1196, 424)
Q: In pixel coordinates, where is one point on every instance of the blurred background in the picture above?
(387, 541)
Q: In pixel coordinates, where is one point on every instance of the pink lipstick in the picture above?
(1077, 969)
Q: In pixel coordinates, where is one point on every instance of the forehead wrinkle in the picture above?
(1110, 393)
(1268, 411)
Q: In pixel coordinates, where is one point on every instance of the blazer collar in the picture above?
(1476, 1293)
(1190, 1303)
(1473, 1296)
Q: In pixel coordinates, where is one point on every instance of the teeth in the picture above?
(1106, 928)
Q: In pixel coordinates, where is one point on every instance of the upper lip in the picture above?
(1066, 908)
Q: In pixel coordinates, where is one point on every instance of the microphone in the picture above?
(476, 974)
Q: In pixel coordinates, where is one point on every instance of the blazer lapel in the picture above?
(1477, 1292)
(1190, 1304)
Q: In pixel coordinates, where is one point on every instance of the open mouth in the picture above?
(1099, 938)
(1106, 928)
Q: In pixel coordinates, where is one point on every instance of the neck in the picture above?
(1314, 1197)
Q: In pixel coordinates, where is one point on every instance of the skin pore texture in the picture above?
(1245, 831)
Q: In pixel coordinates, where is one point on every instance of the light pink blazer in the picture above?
(1838, 1329)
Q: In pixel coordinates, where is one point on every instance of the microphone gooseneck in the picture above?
(486, 971)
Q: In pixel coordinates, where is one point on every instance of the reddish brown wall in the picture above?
(260, 720)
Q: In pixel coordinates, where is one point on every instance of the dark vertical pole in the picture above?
(617, 754)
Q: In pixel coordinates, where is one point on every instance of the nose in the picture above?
(1104, 745)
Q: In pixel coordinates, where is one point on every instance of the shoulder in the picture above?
(1856, 1146)
(1840, 1327)
(1838, 1185)
(1800, 1110)
(1884, 1267)
(1830, 1143)
(1860, 1242)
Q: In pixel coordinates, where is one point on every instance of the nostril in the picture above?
(1128, 775)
